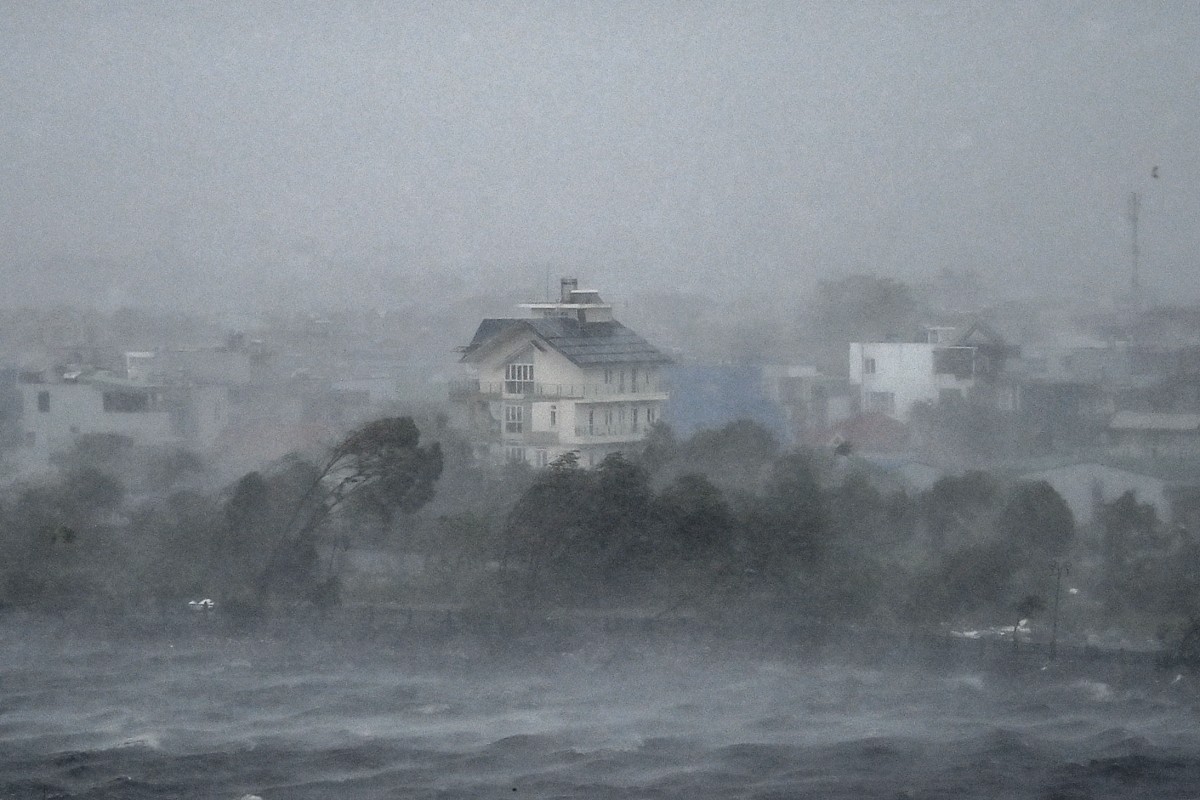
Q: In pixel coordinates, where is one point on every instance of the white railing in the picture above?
(609, 431)
(471, 386)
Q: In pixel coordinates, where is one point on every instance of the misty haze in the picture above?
(598, 400)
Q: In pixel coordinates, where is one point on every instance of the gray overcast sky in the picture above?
(230, 154)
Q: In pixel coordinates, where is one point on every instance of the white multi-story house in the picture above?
(946, 365)
(59, 407)
(568, 377)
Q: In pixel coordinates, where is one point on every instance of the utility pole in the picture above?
(1059, 568)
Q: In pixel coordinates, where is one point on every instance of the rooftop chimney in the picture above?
(567, 285)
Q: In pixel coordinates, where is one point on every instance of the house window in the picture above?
(635, 419)
(514, 455)
(514, 419)
(518, 378)
(621, 385)
(881, 402)
(591, 420)
(868, 366)
(608, 376)
(553, 416)
(43, 402)
(651, 415)
(608, 417)
(633, 379)
(541, 458)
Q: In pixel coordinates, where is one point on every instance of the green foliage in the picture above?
(57, 540)
(379, 469)
(694, 517)
(546, 531)
(659, 448)
(735, 457)
(1136, 556)
(1036, 517)
(172, 545)
(956, 507)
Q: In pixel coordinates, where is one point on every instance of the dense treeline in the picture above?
(727, 522)
(723, 523)
(276, 536)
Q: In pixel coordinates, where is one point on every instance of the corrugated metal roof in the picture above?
(1151, 421)
(584, 344)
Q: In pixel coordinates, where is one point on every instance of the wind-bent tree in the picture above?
(380, 464)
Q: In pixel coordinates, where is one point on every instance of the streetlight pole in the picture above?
(1059, 568)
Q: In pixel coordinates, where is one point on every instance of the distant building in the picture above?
(1086, 486)
(58, 407)
(568, 377)
(946, 365)
(1137, 433)
(811, 402)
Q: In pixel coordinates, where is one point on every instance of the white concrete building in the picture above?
(57, 410)
(566, 378)
(946, 366)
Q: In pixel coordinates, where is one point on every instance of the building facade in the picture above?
(947, 365)
(567, 377)
(57, 409)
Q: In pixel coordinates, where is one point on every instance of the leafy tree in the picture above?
(695, 519)
(958, 507)
(972, 578)
(380, 464)
(460, 545)
(172, 541)
(56, 537)
(787, 528)
(1135, 556)
(623, 497)
(659, 448)
(547, 530)
(1036, 517)
(735, 456)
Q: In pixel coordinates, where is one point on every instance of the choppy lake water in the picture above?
(201, 715)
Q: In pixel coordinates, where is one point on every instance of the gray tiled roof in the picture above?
(585, 344)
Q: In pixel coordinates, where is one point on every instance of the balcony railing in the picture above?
(579, 391)
(609, 431)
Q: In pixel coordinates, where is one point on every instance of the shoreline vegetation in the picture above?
(723, 534)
